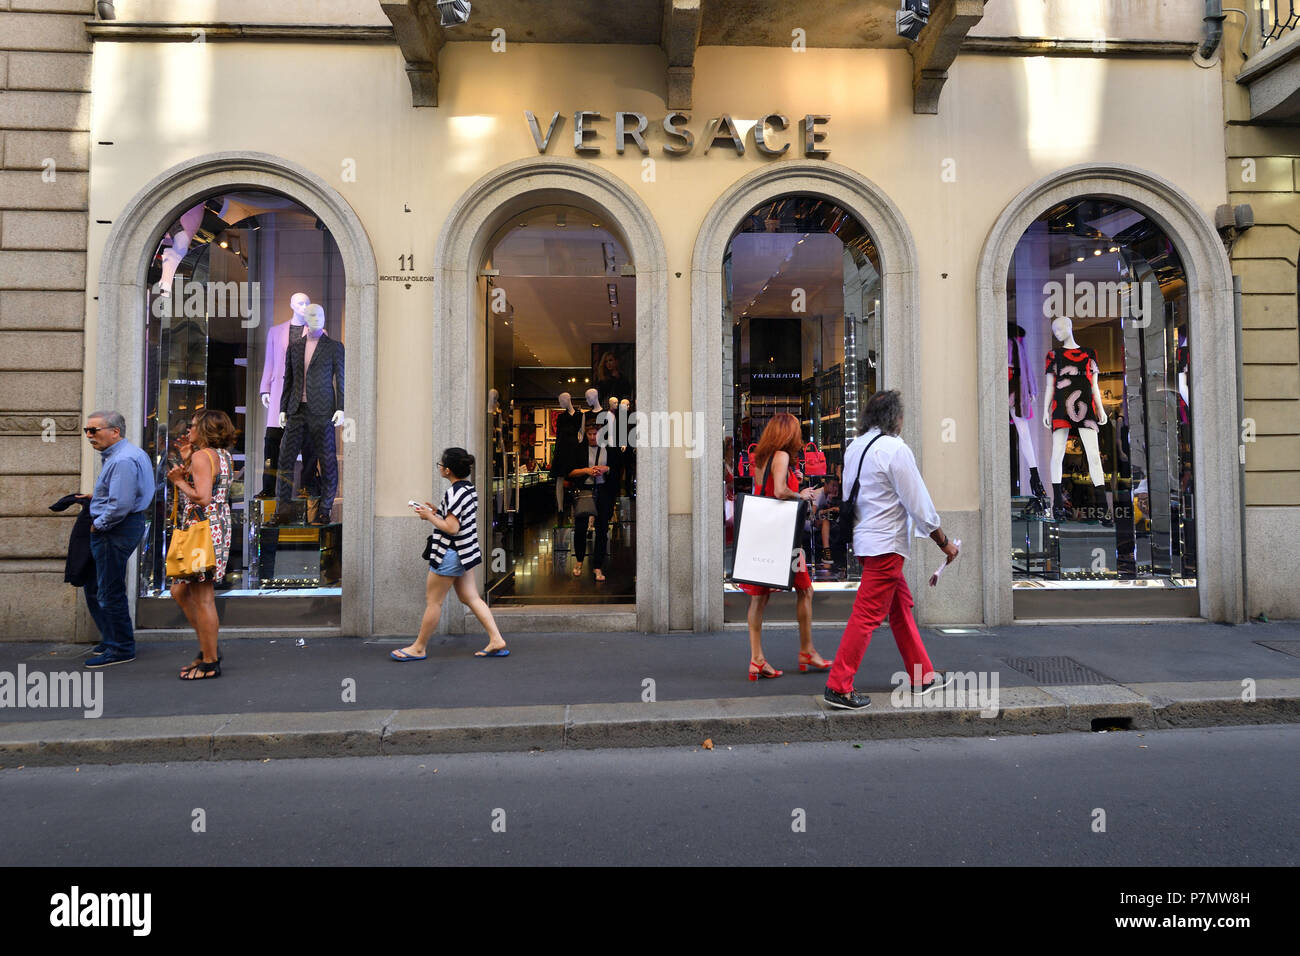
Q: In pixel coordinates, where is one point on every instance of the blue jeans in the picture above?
(106, 597)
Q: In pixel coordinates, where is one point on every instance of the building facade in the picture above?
(700, 217)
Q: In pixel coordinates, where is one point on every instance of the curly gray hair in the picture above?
(884, 410)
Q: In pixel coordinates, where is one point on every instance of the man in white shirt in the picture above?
(892, 501)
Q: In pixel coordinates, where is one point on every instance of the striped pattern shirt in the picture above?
(461, 500)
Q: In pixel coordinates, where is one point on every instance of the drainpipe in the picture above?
(1241, 446)
(1211, 29)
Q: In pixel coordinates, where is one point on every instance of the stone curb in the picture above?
(727, 721)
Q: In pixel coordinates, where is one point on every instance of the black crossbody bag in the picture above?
(849, 510)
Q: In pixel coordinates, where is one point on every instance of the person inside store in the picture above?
(594, 476)
(891, 501)
(452, 552)
(775, 476)
(826, 514)
(119, 507)
(610, 382)
(202, 484)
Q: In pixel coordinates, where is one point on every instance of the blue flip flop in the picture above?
(499, 652)
(402, 657)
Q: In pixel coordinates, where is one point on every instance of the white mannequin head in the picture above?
(494, 401)
(315, 316)
(1063, 329)
(299, 302)
(593, 399)
(566, 401)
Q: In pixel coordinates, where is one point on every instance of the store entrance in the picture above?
(558, 295)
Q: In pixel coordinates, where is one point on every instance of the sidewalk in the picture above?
(280, 699)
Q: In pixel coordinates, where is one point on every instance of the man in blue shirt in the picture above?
(123, 494)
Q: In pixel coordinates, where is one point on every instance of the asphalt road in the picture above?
(1215, 797)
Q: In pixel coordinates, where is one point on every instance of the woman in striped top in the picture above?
(453, 550)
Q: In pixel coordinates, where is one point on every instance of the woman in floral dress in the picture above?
(204, 486)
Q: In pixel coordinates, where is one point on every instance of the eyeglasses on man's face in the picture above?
(91, 430)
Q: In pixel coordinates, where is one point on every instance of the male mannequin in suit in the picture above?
(271, 390)
(311, 404)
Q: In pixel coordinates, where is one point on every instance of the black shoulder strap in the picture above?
(858, 478)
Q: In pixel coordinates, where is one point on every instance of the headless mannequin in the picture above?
(1021, 397)
(627, 451)
(568, 431)
(1063, 331)
(174, 254)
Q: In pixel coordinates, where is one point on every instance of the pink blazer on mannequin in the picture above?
(277, 347)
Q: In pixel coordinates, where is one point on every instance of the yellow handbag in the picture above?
(190, 551)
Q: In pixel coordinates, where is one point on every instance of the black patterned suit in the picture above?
(324, 381)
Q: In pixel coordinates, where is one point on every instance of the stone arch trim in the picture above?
(1213, 363)
(900, 330)
(460, 389)
(121, 330)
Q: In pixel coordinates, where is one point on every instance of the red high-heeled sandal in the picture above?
(806, 663)
(762, 668)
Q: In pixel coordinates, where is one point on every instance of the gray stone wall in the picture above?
(44, 163)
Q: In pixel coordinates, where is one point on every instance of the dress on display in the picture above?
(1075, 371)
(1020, 383)
(217, 513)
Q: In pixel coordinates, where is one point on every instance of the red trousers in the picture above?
(882, 591)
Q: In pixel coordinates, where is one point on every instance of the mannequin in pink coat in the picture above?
(277, 346)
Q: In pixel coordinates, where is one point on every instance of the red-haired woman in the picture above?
(775, 477)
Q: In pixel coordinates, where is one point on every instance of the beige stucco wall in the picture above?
(1005, 122)
(1101, 19)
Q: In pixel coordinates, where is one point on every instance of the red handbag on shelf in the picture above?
(814, 461)
(745, 467)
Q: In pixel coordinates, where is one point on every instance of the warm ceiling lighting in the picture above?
(224, 244)
(1080, 259)
(1096, 252)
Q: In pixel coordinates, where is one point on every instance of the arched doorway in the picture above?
(801, 335)
(461, 388)
(883, 226)
(560, 312)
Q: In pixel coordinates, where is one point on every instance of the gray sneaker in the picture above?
(850, 701)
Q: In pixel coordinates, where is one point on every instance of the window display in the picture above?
(245, 315)
(1097, 334)
(801, 334)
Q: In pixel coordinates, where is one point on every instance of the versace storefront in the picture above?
(541, 234)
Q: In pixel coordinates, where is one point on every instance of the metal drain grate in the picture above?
(1285, 647)
(1057, 670)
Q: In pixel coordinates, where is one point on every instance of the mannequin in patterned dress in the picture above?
(204, 487)
(1072, 400)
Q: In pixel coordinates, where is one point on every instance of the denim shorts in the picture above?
(450, 567)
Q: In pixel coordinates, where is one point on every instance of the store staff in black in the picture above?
(311, 403)
(595, 478)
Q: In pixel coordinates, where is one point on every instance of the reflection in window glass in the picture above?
(1098, 390)
(235, 282)
(801, 334)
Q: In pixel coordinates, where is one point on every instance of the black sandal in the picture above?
(195, 663)
(207, 668)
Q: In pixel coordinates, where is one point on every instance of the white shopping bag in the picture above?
(767, 531)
